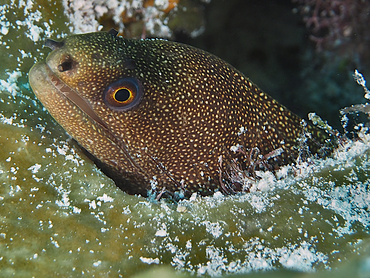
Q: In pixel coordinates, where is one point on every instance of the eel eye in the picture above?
(123, 94)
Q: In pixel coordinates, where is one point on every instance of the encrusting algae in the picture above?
(60, 216)
(166, 117)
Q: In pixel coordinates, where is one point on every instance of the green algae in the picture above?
(61, 216)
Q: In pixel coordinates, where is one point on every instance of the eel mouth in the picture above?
(42, 70)
(70, 94)
(49, 89)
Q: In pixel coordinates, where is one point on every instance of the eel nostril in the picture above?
(53, 44)
(67, 65)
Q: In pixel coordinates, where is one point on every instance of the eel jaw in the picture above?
(51, 91)
(70, 94)
(43, 80)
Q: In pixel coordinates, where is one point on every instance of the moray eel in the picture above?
(160, 116)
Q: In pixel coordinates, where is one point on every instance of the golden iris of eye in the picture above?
(123, 94)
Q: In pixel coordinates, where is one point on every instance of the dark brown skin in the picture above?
(160, 115)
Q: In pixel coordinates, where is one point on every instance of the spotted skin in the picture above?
(194, 108)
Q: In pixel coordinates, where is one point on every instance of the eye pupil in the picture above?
(122, 95)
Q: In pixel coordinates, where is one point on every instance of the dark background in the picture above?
(269, 42)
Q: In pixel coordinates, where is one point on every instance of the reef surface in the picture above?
(61, 216)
